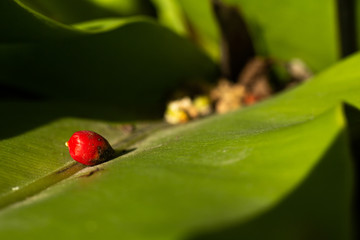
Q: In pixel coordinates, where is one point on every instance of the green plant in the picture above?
(281, 169)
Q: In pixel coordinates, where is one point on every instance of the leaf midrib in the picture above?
(72, 168)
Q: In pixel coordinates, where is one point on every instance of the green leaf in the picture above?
(170, 15)
(284, 162)
(69, 12)
(28, 24)
(116, 66)
(124, 7)
(279, 29)
(39, 156)
(301, 21)
(114, 61)
(244, 169)
(204, 26)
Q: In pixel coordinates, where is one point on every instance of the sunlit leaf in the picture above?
(243, 168)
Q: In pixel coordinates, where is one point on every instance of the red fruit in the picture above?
(89, 148)
(250, 99)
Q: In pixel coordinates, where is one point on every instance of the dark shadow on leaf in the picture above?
(236, 43)
(8, 92)
(21, 116)
(118, 153)
(112, 76)
(121, 152)
(353, 119)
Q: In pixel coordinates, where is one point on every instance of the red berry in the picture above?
(89, 148)
(250, 99)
